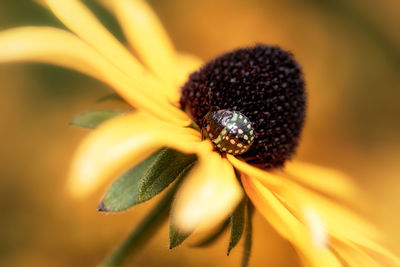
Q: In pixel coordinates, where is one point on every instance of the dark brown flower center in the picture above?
(264, 83)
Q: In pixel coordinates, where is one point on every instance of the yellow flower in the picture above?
(299, 201)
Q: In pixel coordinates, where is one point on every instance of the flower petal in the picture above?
(366, 254)
(48, 45)
(287, 224)
(208, 195)
(353, 255)
(82, 22)
(297, 197)
(334, 215)
(326, 180)
(59, 47)
(317, 228)
(256, 172)
(146, 35)
(340, 224)
(186, 64)
(382, 253)
(121, 143)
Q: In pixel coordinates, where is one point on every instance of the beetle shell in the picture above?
(230, 131)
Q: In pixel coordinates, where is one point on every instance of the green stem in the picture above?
(144, 231)
(248, 235)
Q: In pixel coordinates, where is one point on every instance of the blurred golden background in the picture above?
(350, 52)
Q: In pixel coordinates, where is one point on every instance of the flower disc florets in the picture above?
(264, 83)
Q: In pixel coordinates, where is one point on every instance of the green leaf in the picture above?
(144, 231)
(168, 165)
(146, 179)
(112, 96)
(237, 221)
(214, 236)
(94, 118)
(175, 237)
(248, 235)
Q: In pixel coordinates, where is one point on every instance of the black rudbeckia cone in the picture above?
(264, 83)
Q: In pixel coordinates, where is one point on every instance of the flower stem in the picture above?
(248, 235)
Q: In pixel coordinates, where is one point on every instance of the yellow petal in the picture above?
(186, 64)
(316, 227)
(273, 210)
(382, 253)
(340, 223)
(334, 215)
(353, 255)
(297, 197)
(355, 259)
(208, 195)
(119, 144)
(82, 22)
(146, 35)
(287, 224)
(79, 19)
(367, 254)
(48, 45)
(55, 46)
(329, 181)
(256, 172)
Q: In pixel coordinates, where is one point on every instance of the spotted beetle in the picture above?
(230, 131)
